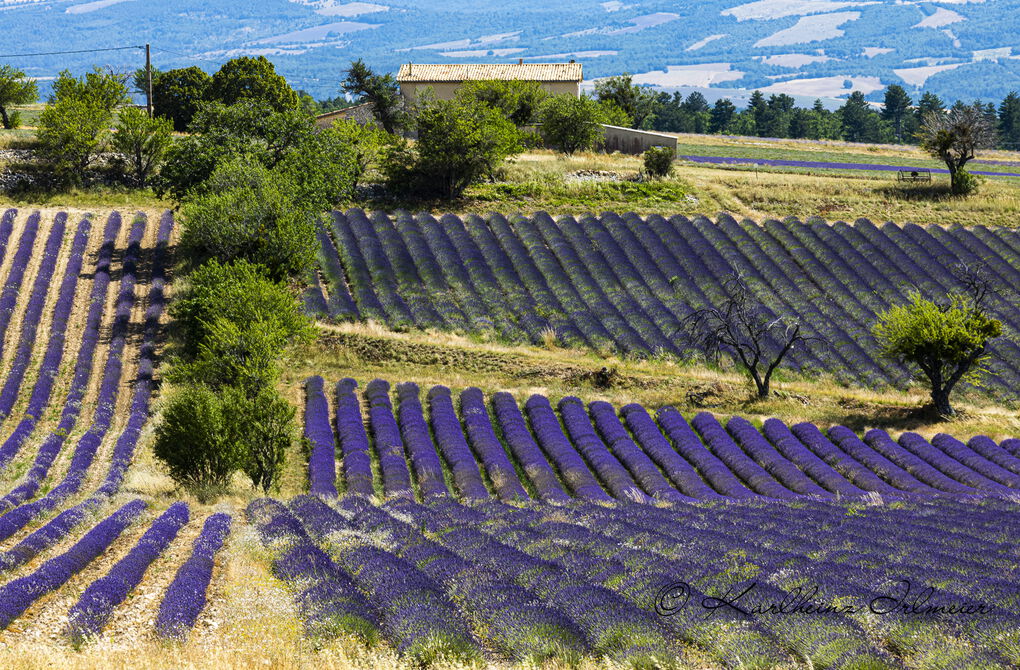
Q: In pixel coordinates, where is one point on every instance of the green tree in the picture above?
(72, 133)
(1009, 121)
(264, 430)
(252, 78)
(722, 113)
(954, 137)
(248, 211)
(896, 108)
(945, 343)
(518, 101)
(459, 142)
(231, 354)
(381, 91)
(858, 119)
(177, 94)
(143, 140)
(571, 124)
(195, 441)
(325, 166)
(100, 87)
(928, 104)
(140, 80)
(220, 132)
(15, 89)
(637, 103)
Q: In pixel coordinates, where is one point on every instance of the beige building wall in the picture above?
(633, 141)
(445, 90)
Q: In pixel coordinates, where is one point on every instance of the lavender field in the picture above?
(624, 283)
(433, 524)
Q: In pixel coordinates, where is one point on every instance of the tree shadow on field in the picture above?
(861, 417)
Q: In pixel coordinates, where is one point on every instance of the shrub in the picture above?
(195, 442)
(143, 140)
(234, 355)
(459, 142)
(239, 293)
(325, 167)
(571, 124)
(103, 88)
(659, 161)
(248, 212)
(518, 101)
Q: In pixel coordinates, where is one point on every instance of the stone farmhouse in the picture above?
(556, 78)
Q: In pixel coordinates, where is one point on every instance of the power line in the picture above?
(76, 51)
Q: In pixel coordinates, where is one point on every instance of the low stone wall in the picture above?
(631, 141)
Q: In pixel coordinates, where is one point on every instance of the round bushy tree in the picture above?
(252, 78)
(177, 94)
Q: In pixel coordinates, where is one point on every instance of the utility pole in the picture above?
(148, 81)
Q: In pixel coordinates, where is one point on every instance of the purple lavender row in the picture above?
(51, 446)
(328, 602)
(572, 468)
(85, 450)
(381, 272)
(16, 275)
(428, 469)
(921, 468)
(723, 446)
(526, 450)
(357, 273)
(185, 598)
(451, 442)
(1011, 446)
(623, 288)
(313, 300)
(18, 595)
(6, 228)
(416, 617)
(405, 272)
(487, 446)
(322, 460)
(785, 472)
(626, 450)
(683, 475)
(613, 475)
(686, 441)
(341, 305)
(127, 442)
(30, 319)
(388, 445)
(949, 464)
(890, 472)
(87, 617)
(970, 458)
(792, 448)
(995, 453)
(350, 430)
(428, 268)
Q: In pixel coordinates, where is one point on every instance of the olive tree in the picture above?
(943, 342)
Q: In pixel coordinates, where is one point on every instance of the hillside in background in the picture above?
(959, 49)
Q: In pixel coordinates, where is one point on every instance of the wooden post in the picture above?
(148, 81)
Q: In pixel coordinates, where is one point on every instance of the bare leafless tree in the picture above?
(954, 137)
(979, 283)
(742, 327)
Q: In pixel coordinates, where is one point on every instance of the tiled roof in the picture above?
(421, 72)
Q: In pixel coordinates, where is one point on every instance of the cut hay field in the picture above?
(471, 493)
